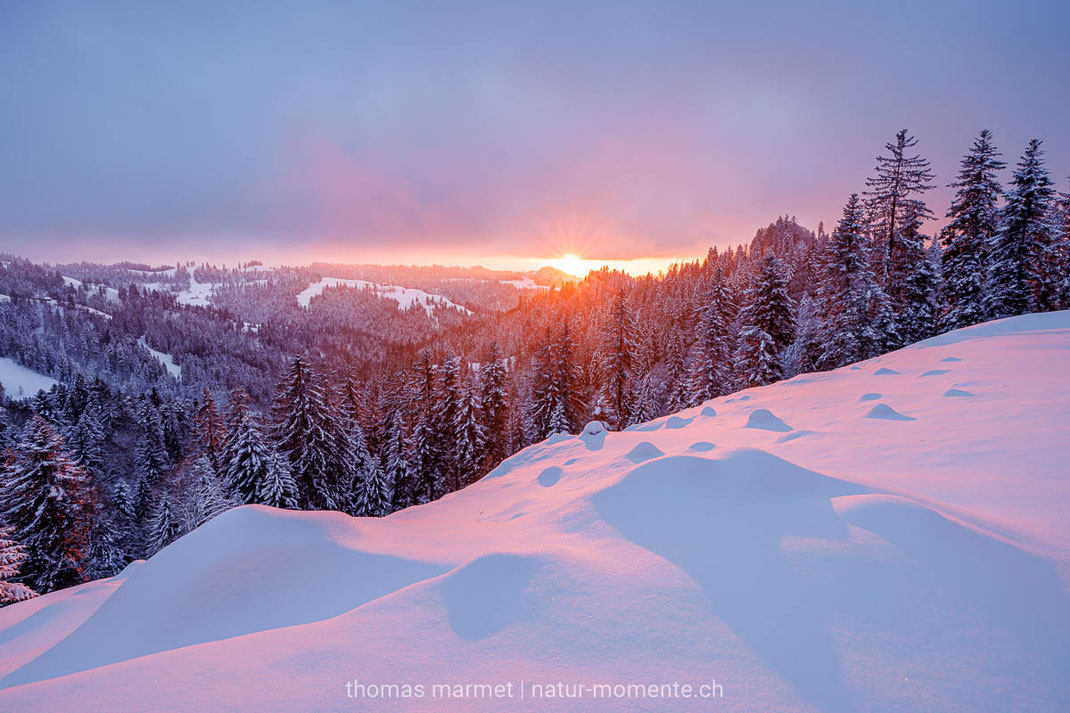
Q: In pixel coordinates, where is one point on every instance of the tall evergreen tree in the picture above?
(210, 431)
(12, 555)
(851, 304)
(247, 458)
(1017, 271)
(768, 325)
(896, 214)
(396, 467)
(471, 439)
(495, 401)
(42, 499)
(305, 439)
(618, 361)
(713, 365)
(973, 220)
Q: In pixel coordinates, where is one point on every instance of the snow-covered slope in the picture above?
(404, 296)
(20, 382)
(890, 536)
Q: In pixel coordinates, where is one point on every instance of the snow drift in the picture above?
(844, 541)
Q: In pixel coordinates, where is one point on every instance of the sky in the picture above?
(501, 133)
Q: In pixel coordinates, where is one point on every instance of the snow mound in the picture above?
(709, 411)
(643, 452)
(250, 569)
(765, 420)
(957, 393)
(883, 371)
(677, 422)
(884, 411)
(832, 566)
(871, 396)
(936, 372)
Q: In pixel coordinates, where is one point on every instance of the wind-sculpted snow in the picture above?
(848, 542)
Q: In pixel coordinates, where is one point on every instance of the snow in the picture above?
(166, 359)
(20, 382)
(110, 293)
(846, 564)
(199, 294)
(404, 296)
(525, 283)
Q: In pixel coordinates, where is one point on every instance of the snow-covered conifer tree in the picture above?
(12, 555)
(973, 220)
(851, 302)
(768, 325)
(42, 499)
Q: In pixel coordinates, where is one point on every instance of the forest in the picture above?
(183, 390)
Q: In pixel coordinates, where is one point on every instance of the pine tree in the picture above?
(493, 395)
(1017, 271)
(677, 381)
(278, 488)
(1062, 249)
(163, 527)
(12, 555)
(151, 455)
(618, 362)
(374, 497)
(471, 440)
(246, 456)
(428, 475)
(850, 301)
(211, 498)
(973, 220)
(444, 418)
(42, 499)
(306, 441)
(768, 325)
(896, 215)
(396, 466)
(210, 431)
(713, 365)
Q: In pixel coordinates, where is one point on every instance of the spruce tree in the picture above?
(246, 456)
(164, 526)
(1019, 280)
(209, 430)
(471, 440)
(850, 300)
(211, 497)
(494, 397)
(42, 499)
(714, 357)
(973, 220)
(396, 468)
(618, 361)
(303, 437)
(768, 325)
(896, 214)
(12, 555)
(278, 488)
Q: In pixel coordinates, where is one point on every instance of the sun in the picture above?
(573, 264)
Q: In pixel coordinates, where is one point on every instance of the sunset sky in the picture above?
(501, 133)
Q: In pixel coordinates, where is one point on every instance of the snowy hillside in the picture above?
(405, 296)
(889, 536)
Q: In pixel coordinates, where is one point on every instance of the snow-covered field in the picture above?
(20, 382)
(167, 360)
(404, 296)
(890, 536)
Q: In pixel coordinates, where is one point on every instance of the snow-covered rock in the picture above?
(844, 563)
